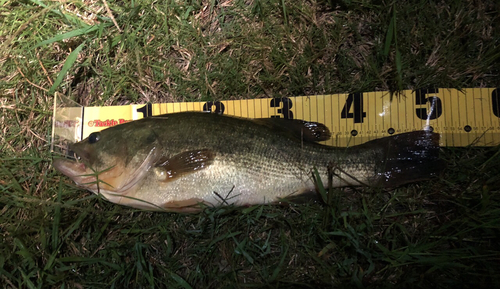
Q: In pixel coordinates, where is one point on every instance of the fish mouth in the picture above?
(114, 179)
(74, 169)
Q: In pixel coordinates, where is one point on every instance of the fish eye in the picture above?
(94, 137)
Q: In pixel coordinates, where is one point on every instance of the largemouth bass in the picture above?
(176, 162)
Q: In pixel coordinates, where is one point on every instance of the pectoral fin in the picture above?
(304, 130)
(186, 162)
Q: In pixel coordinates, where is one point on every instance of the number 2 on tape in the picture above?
(219, 107)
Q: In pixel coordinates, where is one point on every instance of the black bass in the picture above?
(176, 162)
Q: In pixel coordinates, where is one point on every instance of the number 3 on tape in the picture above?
(285, 109)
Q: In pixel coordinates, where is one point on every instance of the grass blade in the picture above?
(180, 281)
(68, 18)
(389, 36)
(66, 67)
(74, 33)
(319, 183)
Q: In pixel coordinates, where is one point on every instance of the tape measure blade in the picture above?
(237, 108)
(406, 116)
(495, 107)
(447, 129)
(461, 118)
(328, 120)
(488, 115)
(318, 111)
(257, 108)
(440, 124)
(370, 121)
(470, 116)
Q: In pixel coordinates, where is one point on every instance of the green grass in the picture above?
(441, 233)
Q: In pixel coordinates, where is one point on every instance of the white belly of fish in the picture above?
(219, 184)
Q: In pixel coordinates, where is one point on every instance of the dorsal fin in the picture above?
(304, 130)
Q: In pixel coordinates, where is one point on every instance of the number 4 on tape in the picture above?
(354, 103)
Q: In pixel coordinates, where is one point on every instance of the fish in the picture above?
(183, 162)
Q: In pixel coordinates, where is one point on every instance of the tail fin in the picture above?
(410, 157)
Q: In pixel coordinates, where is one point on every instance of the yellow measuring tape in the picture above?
(463, 117)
